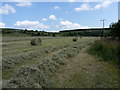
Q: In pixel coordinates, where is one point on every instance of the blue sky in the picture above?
(56, 16)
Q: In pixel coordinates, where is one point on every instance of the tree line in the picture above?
(114, 32)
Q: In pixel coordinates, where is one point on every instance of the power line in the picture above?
(103, 26)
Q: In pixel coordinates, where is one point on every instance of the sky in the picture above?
(57, 16)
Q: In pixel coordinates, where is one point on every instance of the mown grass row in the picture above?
(107, 50)
(39, 75)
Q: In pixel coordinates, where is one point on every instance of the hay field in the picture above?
(20, 51)
(25, 65)
(17, 45)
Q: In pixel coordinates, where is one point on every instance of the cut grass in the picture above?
(20, 46)
(85, 71)
(23, 46)
(51, 65)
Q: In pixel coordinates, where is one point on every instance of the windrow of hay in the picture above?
(39, 75)
(9, 62)
(37, 41)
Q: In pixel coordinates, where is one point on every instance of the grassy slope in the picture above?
(106, 49)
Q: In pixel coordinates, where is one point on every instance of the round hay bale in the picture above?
(37, 41)
(74, 39)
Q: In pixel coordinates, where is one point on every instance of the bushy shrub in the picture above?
(106, 49)
(115, 30)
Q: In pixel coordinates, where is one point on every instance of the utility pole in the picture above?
(103, 26)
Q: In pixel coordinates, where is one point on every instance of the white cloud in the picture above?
(86, 6)
(52, 17)
(6, 9)
(44, 19)
(24, 4)
(70, 25)
(53, 31)
(102, 5)
(57, 8)
(83, 7)
(2, 25)
(30, 25)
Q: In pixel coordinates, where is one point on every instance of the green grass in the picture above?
(105, 49)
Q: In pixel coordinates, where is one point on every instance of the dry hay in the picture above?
(9, 62)
(37, 41)
(39, 75)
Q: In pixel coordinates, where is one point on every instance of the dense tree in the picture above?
(25, 31)
(38, 34)
(54, 35)
(115, 30)
(36, 30)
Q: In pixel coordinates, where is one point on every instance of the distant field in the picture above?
(17, 45)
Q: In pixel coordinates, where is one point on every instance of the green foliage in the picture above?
(20, 32)
(54, 35)
(115, 30)
(64, 33)
(83, 33)
(106, 49)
